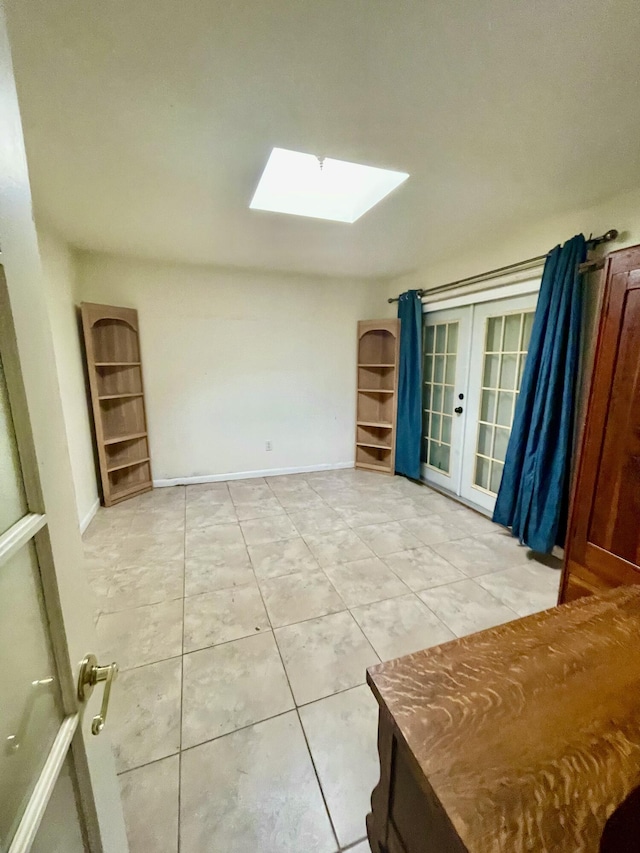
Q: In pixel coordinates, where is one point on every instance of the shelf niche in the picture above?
(378, 350)
(112, 350)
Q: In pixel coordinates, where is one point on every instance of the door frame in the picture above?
(32, 384)
(451, 482)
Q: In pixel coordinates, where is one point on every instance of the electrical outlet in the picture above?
(268, 445)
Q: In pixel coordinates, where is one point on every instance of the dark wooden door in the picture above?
(603, 544)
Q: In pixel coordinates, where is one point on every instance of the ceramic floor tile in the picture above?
(230, 686)
(325, 655)
(337, 546)
(296, 597)
(244, 491)
(288, 557)
(359, 516)
(301, 501)
(263, 508)
(400, 626)
(203, 514)
(144, 714)
(150, 803)
(501, 540)
(389, 538)
(287, 482)
(436, 503)
(465, 607)
(224, 567)
(470, 522)
(480, 555)
(224, 615)
(141, 635)
(157, 524)
(525, 589)
(100, 580)
(363, 847)
(201, 541)
(253, 791)
(148, 547)
(422, 568)
(148, 584)
(317, 520)
(342, 735)
(433, 529)
(207, 493)
(364, 581)
(400, 508)
(264, 530)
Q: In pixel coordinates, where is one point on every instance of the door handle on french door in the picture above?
(90, 674)
(458, 410)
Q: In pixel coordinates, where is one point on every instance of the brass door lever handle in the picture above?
(90, 674)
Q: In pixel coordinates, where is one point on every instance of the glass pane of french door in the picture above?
(500, 341)
(29, 690)
(445, 354)
(30, 700)
(505, 351)
(61, 830)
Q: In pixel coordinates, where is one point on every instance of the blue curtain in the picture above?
(409, 423)
(534, 493)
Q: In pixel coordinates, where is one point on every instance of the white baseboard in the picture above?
(86, 521)
(245, 475)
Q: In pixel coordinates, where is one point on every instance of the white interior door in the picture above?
(446, 339)
(499, 343)
(58, 788)
(45, 803)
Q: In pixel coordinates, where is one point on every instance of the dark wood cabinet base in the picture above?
(525, 737)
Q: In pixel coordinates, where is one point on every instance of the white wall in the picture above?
(620, 211)
(62, 298)
(233, 359)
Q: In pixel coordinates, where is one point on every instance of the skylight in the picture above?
(306, 185)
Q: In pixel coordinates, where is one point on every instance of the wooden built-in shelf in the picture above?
(129, 437)
(118, 495)
(112, 347)
(121, 396)
(124, 465)
(117, 364)
(377, 388)
(370, 467)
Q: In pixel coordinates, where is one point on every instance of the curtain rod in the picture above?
(520, 265)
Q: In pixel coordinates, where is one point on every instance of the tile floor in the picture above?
(244, 615)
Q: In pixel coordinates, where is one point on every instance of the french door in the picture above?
(474, 356)
(445, 345)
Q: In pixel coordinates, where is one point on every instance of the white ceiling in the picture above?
(148, 122)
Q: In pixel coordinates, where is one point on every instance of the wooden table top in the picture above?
(528, 733)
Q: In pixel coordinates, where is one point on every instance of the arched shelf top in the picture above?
(377, 346)
(103, 321)
(115, 339)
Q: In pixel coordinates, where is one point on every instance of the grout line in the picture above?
(304, 734)
(315, 770)
(184, 581)
(353, 844)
